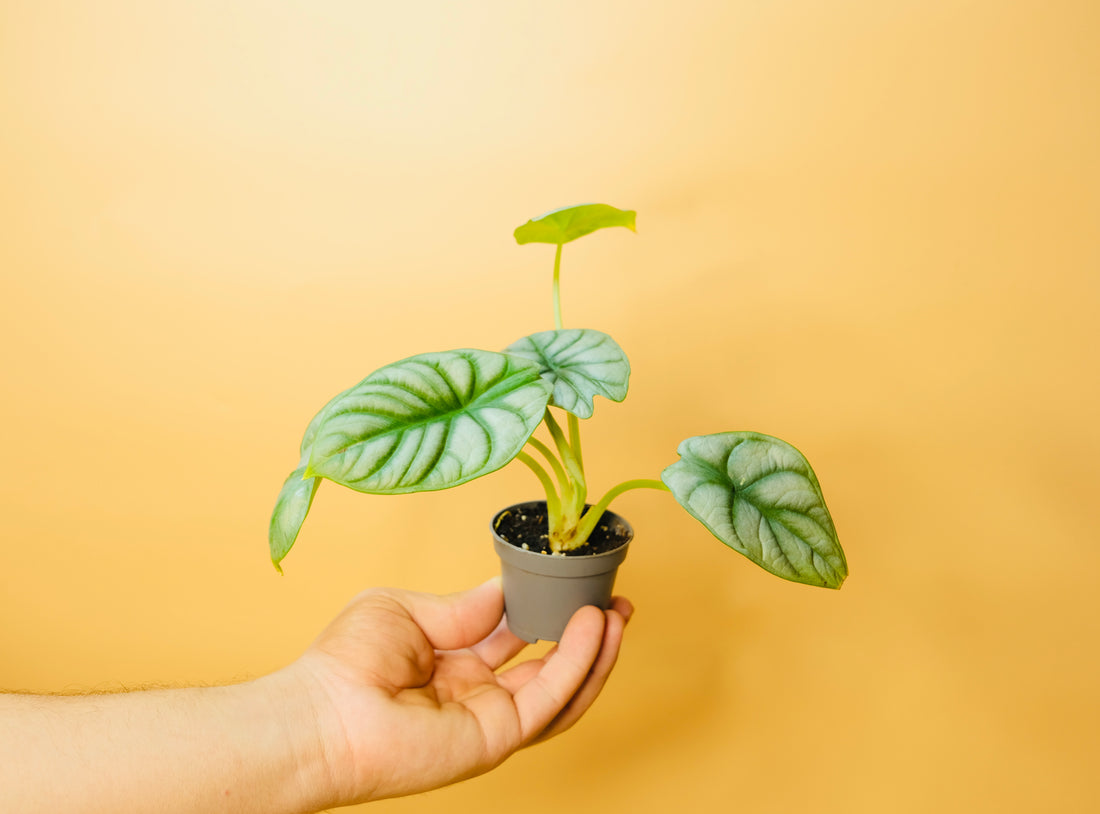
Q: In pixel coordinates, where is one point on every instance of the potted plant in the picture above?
(438, 420)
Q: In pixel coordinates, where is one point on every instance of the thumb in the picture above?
(457, 620)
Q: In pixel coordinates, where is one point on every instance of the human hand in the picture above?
(407, 697)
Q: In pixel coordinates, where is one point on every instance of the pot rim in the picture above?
(521, 552)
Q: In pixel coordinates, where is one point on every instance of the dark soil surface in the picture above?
(526, 527)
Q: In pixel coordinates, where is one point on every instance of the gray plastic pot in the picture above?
(542, 592)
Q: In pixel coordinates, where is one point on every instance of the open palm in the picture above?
(410, 697)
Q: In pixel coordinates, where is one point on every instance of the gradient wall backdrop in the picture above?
(867, 227)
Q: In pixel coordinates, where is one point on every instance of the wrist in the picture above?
(309, 752)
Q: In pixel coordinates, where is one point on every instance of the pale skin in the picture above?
(403, 692)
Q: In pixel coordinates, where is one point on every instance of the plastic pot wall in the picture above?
(542, 592)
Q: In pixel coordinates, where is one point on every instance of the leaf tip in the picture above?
(840, 578)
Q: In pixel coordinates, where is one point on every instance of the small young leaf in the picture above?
(430, 422)
(760, 496)
(568, 223)
(579, 364)
(290, 512)
(296, 496)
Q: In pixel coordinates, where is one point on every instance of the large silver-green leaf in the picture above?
(563, 225)
(579, 364)
(430, 422)
(291, 508)
(760, 496)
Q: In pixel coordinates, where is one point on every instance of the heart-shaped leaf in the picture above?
(760, 496)
(570, 222)
(430, 422)
(579, 364)
(290, 512)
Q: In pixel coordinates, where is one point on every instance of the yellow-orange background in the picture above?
(867, 227)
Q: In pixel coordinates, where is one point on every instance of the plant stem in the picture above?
(564, 483)
(575, 439)
(581, 493)
(553, 503)
(593, 515)
(565, 450)
(557, 288)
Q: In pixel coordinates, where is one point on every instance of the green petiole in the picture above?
(593, 515)
(575, 439)
(553, 503)
(568, 456)
(557, 288)
(565, 485)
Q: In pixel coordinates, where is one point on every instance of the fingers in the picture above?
(501, 646)
(617, 618)
(546, 692)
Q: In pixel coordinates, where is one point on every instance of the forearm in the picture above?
(249, 747)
